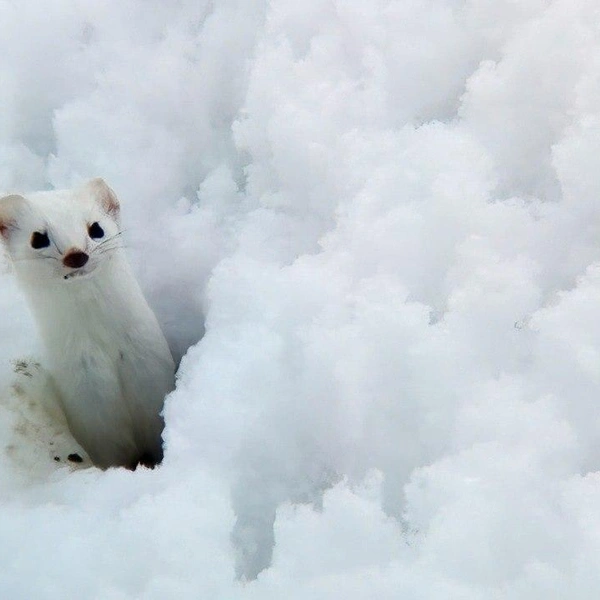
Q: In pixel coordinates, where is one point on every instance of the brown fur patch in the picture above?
(105, 196)
(9, 208)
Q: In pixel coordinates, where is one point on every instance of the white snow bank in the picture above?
(383, 217)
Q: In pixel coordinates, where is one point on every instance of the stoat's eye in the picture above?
(96, 232)
(39, 240)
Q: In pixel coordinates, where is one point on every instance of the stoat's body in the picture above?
(106, 352)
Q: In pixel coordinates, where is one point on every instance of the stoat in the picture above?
(109, 359)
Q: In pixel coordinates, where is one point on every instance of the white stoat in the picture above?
(106, 352)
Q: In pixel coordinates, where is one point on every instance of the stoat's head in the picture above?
(61, 235)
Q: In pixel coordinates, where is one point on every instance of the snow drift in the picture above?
(371, 231)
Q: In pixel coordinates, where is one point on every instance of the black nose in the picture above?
(75, 260)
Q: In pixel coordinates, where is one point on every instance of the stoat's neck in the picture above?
(98, 310)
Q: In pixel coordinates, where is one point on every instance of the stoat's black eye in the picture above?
(96, 232)
(39, 240)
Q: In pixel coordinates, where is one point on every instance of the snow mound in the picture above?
(372, 236)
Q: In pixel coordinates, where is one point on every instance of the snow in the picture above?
(371, 233)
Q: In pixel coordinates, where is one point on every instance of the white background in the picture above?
(385, 217)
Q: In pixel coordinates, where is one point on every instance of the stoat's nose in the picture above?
(75, 259)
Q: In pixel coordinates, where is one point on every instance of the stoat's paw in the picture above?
(39, 439)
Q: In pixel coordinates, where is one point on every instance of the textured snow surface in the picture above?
(372, 230)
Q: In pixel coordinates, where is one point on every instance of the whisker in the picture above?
(108, 243)
(111, 248)
(110, 239)
(24, 258)
(104, 246)
(101, 251)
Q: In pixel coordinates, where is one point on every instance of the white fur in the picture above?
(106, 352)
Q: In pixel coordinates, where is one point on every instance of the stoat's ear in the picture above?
(104, 196)
(10, 206)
